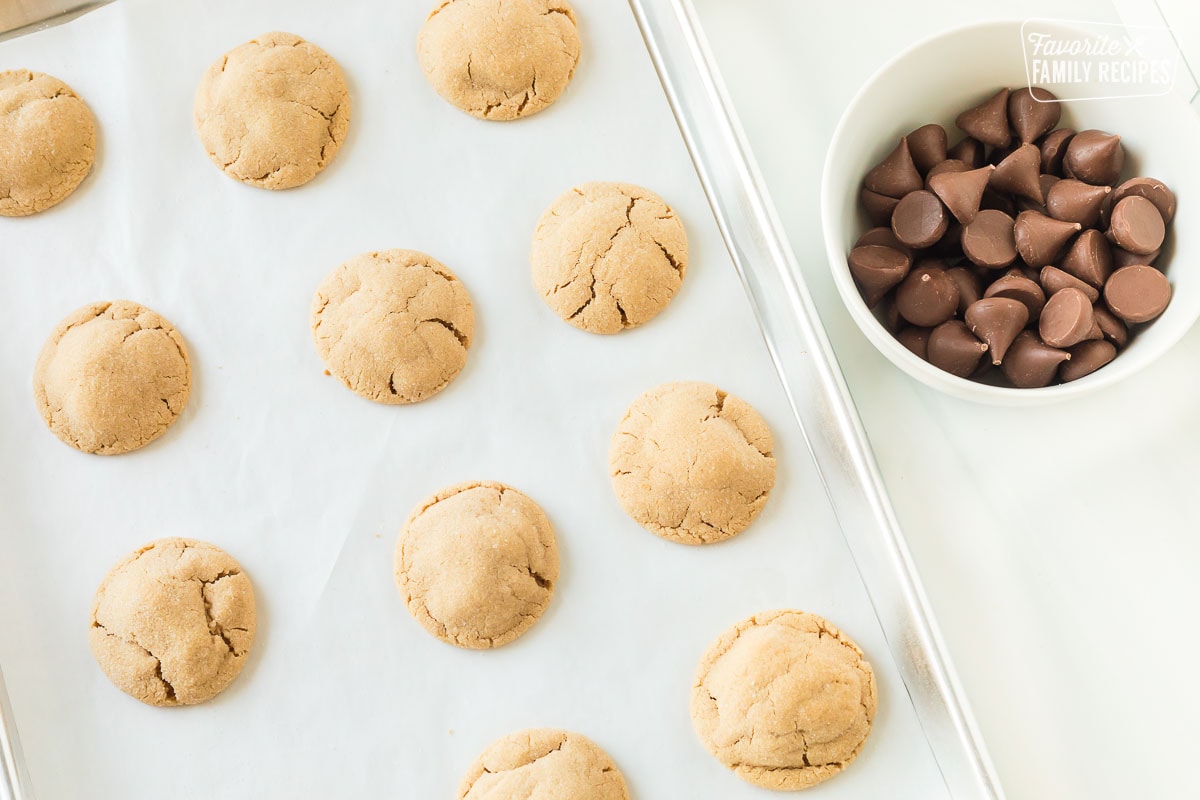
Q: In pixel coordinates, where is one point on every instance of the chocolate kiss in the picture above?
(1095, 157)
(997, 321)
(1054, 279)
(988, 121)
(877, 269)
(970, 286)
(1040, 238)
(1020, 173)
(1086, 358)
(1019, 287)
(1137, 293)
(896, 175)
(953, 348)
(1067, 318)
(962, 191)
(916, 340)
(884, 236)
(1112, 326)
(1123, 258)
(1030, 363)
(969, 151)
(927, 144)
(1033, 112)
(1153, 190)
(927, 296)
(1089, 258)
(879, 207)
(1076, 201)
(1054, 147)
(1136, 225)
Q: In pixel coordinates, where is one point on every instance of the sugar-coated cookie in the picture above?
(692, 463)
(172, 623)
(112, 377)
(499, 59)
(47, 142)
(784, 699)
(477, 563)
(546, 764)
(393, 326)
(273, 112)
(608, 256)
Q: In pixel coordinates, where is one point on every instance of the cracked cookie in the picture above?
(784, 699)
(172, 622)
(543, 763)
(499, 59)
(692, 463)
(112, 377)
(47, 142)
(608, 256)
(273, 112)
(393, 326)
(476, 564)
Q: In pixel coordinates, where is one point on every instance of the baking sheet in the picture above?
(307, 485)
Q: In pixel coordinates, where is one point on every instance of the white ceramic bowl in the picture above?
(934, 81)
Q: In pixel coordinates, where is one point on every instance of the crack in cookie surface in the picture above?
(173, 622)
(608, 256)
(476, 564)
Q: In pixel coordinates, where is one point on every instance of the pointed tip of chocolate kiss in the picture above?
(1075, 201)
(1089, 258)
(1040, 238)
(1033, 111)
(1031, 363)
(1020, 173)
(962, 192)
(1095, 157)
(896, 175)
(953, 348)
(997, 321)
(988, 121)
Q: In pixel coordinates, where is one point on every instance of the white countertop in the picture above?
(1059, 545)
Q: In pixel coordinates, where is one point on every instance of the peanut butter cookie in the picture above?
(112, 377)
(47, 142)
(784, 699)
(608, 256)
(476, 564)
(273, 112)
(499, 59)
(546, 764)
(393, 326)
(692, 463)
(172, 623)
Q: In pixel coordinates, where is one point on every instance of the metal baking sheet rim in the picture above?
(822, 405)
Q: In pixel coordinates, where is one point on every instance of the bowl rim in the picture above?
(885, 342)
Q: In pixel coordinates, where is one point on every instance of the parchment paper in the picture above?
(307, 484)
